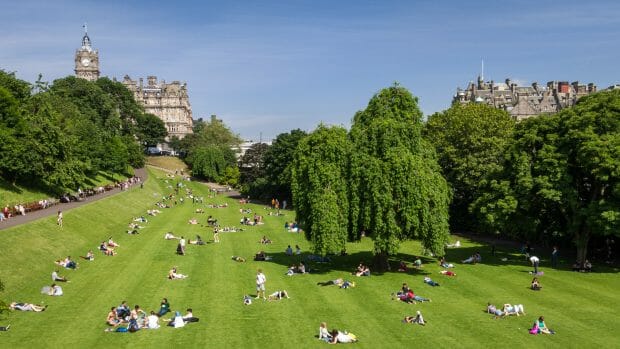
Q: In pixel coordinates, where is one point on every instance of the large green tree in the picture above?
(252, 163)
(320, 189)
(470, 141)
(561, 177)
(397, 190)
(278, 160)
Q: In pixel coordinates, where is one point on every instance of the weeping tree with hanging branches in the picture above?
(396, 188)
(319, 186)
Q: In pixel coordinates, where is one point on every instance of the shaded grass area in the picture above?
(578, 306)
(12, 194)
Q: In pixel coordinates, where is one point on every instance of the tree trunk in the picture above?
(381, 262)
(581, 240)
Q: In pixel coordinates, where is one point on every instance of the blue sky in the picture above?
(266, 67)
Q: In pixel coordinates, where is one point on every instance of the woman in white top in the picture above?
(152, 321)
(324, 333)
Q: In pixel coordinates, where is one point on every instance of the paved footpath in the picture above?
(53, 210)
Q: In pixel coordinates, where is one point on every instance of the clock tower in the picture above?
(86, 60)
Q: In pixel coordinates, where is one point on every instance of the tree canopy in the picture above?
(561, 176)
(470, 141)
(55, 135)
(320, 189)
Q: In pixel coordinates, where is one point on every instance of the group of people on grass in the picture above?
(124, 319)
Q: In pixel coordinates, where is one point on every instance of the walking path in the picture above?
(53, 210)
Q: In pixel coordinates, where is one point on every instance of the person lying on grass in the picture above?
(261, 256)
(111, 243)
(53, 290)
(535, 285)
(198, 241)
(170, 236)
(173, 275)
(447, 273)
(417, 319)
(497, 313)
(89, 256)
(278, 295)
(296, 269)
(66, 263)
(473, 259)
(340, 282)
(429, 281)
(27, 307)
(238, 259)
(265, 240)
(516, 309)
(192, 221)
(406, 295)
(342, 337)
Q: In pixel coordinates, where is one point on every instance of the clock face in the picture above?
(85, 62)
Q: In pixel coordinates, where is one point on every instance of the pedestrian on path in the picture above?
(59, 218)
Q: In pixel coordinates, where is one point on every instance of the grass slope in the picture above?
(576, 305)
(171, 163)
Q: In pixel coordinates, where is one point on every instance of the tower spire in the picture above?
(85, 28)
(482, 69)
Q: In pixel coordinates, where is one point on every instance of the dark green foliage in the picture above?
(320, 189)
(209, 150)
(252, 163)
(278, 160)
(470, 141)
(151, 130)
(56, 137)
(397, 191)
(561, 176)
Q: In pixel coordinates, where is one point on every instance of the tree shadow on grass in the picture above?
(347, 263)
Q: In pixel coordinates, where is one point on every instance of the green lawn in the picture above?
(580, 307)
(170, 163)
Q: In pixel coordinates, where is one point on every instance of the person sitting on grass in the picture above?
(417, 263)
(189, 316)
(362, 270)
(164, 307)
(324, 334)
(27, 307)
(447, 273)
(444, 264)
(429, 281)
(541, 327)
(111, 243)
(261, 256)
(112, 318)
(417, 319)
(177, 321)
(402, 266)
(152, 321)
(278, 295)
(473, 259)
(56, 277)
(536, 285)
(173, 275)
(265, 240)
(193, 221)
(107, 250)
(342, 337)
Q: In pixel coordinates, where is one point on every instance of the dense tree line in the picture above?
(209, 151)
(550, 179)
(55, 136)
